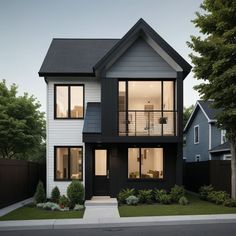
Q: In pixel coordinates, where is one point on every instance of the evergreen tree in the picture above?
(215, 64)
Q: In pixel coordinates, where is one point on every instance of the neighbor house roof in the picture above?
(225, 147)
(74, 56)
(92, 120)
(209, 112)
(85, 56)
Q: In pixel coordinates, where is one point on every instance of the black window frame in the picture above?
(69, 101)
(175, 111)
(55, 163)
(140, 167)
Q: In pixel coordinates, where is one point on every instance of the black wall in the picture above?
(118, 155)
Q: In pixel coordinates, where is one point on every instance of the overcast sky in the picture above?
(27, 28)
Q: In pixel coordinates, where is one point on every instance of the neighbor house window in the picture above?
(227, 157)
(196, 134)
(197, 158)
(223, 136)
(69, 101)
(68, 163)
(145, 163)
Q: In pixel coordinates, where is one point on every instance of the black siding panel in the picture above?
(109, 95)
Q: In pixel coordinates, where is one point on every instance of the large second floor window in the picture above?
(69, 101)
(147, 108)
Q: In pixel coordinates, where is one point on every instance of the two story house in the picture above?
(114, 112)
(203, 139)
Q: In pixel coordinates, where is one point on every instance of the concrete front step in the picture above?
(101, 201)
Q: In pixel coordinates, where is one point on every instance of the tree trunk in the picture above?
(233, 168)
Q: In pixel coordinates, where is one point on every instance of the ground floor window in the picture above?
(68, 163)
(145, 163)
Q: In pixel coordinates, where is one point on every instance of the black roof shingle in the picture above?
(75, 56)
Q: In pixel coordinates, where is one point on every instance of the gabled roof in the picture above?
(141, 28)
(85, 56)
(74, 56)
(225, 147)
(209, 112)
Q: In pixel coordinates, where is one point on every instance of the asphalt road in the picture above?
(219, 229)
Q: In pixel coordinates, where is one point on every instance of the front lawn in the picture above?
(196, 207)
(33, 213)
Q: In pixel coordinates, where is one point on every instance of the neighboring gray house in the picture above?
(203, 140)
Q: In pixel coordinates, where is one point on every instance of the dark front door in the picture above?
(101, 172)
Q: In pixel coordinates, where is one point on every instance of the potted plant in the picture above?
(163, 120)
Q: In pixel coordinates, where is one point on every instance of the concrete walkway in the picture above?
(101, 207)
(15, 206)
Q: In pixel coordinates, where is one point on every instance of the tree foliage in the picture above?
(187, 112)
(215, 64)
(22, 125)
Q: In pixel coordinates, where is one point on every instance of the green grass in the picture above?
(33, 213)
(196, 207)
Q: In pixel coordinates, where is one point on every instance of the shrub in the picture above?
(204, 191)
(51, 206)
(132, 200)
(177, 192)
(39, 195)
(230, 202)
(40, 205)
(145, 196)
(63, 201)
(124, 194)
(165, 198)
(218, 197)
(157, 193)
(183, 201)
(75, 193)
(78, 207)
(55, 195)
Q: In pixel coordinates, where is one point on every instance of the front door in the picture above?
(101, 172)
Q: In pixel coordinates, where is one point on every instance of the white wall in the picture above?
(66, 132)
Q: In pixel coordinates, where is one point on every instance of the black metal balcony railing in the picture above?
(147, 123)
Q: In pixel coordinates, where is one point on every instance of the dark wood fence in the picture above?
(216, 173)
(18, 180)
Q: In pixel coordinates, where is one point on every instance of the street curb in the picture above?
(120, 222)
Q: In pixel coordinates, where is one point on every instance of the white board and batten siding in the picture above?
(66, 132)
(141, 61)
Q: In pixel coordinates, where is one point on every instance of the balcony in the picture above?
(147, 123)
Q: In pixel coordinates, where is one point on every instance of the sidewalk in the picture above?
(117, 222)
(15, 206)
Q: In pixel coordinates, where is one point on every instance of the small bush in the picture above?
(177, 192)
(78, 207)
(55, 195)
(63, 201)
(39, 195)
(204, 191)
(40, 205)
(124, 194)
(230, 202)
(132, 200)
(51, 206)
(183, 201)
(165, 199)
(75, 193)
(218, 197)
(157, 193)
(145, 196)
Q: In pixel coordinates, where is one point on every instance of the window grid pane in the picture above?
(76, 163)
(62, 101)
(76, 101)
(62, 169)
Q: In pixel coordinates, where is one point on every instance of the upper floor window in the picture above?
(147, 108)
(223, 136)
(196, 134)
(69, 101)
